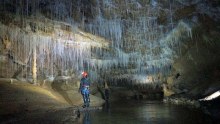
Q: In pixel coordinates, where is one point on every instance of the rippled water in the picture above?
(144, 112)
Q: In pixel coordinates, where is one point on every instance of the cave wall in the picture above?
(60, 49)
(151, 42)
(196, 72)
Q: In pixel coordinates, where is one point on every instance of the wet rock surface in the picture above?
(183, 101)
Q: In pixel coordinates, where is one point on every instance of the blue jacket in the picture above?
(84, 84)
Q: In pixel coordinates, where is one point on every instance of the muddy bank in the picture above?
(21, 102)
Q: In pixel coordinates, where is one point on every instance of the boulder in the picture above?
(68, 88)
(167, 92)
(64, 83)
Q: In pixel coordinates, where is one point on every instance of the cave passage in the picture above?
(147, 61)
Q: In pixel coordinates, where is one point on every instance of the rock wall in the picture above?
(195, 72)
(171, 44)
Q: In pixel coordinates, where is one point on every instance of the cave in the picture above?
(146, 61)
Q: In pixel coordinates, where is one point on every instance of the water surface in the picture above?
(144, 112)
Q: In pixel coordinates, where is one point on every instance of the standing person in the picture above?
(107, 105)
(106, 92)
(84, 89)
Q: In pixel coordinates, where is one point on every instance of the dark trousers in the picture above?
(86, 99)
(106, 94)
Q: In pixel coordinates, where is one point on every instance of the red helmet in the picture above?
(84, 74)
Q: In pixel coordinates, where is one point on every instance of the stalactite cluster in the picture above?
(143, 37)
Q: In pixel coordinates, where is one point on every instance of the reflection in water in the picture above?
(142, 112)
(86, 115)
(86, 118)
(107, 106)
(155, 112)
